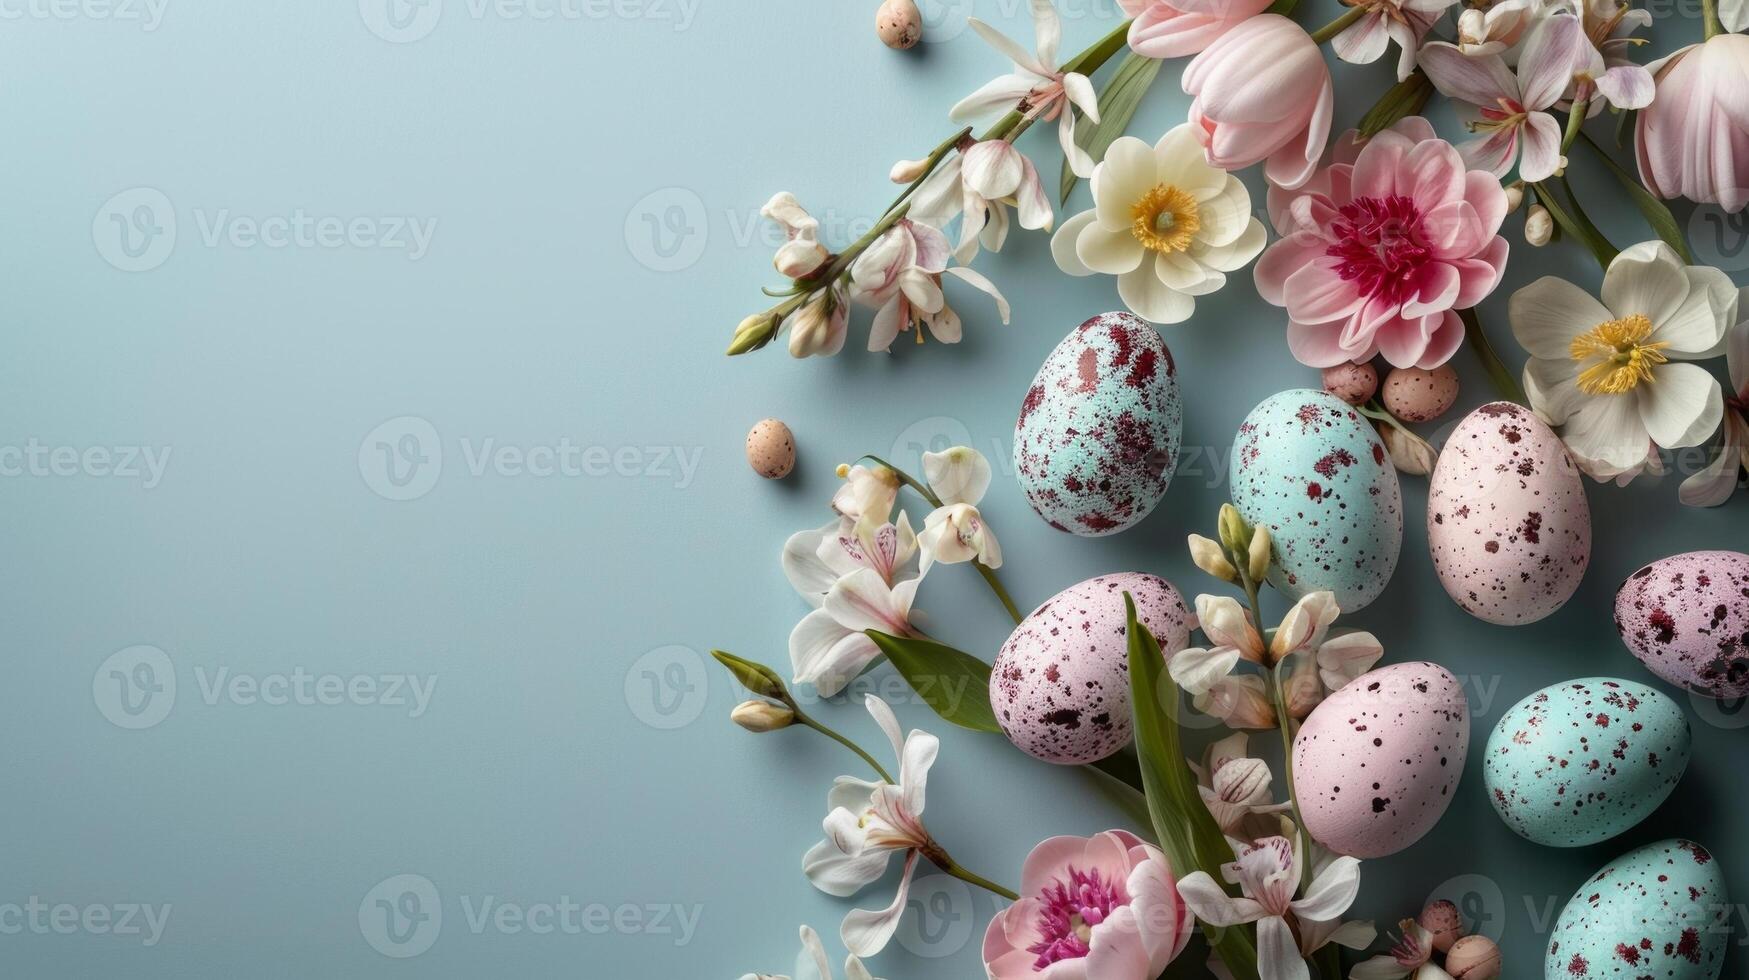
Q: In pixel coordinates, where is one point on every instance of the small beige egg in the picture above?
(1353, 383)
(1442, 919)
(899, 24)
(771, 449)
(1415, 395)
(1473, 958)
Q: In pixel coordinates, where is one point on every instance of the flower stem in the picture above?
(1576, 223)
(1710, 12)
(1284, 721)
(954, 868)
(995, 584)
(1503, 380)
(1340, 24)
(1575, 122)
(840, 739)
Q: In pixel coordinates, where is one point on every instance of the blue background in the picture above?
(594, 182)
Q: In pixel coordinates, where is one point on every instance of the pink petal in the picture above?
(1542, 147)
(1482, 81)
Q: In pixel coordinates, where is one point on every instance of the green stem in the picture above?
(1284, 721)
(1340, 24)
(1503, 380)
(1575, 122)
(988, 573)
(1710, 11)
(1576, 224)
(841, 740)
(954, 868)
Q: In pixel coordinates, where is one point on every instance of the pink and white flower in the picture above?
(819, 326)
(1411, 956)
(1104, 907)
(1403, 21)
(979, 184)
(1376, 255)
(956, 532)
(1262, 93)
(1693, 140)
(1036, 86)
(801, 253)
(1237, 790)
(900, 275)
(1715, 484)
(1176, 28)
(1268, 873)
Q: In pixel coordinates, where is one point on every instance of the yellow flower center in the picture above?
(1618, 358)
(1165, 219)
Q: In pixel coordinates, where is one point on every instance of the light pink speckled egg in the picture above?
(1420, 395)
(1507, 519)
(1353, 383)
(1687, 618)
(1377, 763)
(1061, 684)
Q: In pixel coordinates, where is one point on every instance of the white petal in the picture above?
(1627, 86)
(862, 600)
(1047, 32)
(1063, 244)
(1079, 89)
(1149, 298)
(1030, 200)
(1107, 251)
(993, 169)
(840, 875)
(1647, 280)
(1682, 406)
(1540, 152)
(959, 475)
(867, 933)
(826, 655)
(1079, 162)
(1211, 903)
(1715, 484)
(1383, 967)
(1737, 356)
(1332, 891)
(1278, 956)
(1186, 274)
(1226, 215)
(1363, 42)
(1232, 257)
(1120, 180)
(1196, 669)
(1696, 328)
(999, 94)
(816, 953)
(888, 722)
(1481, 81)
(977, 280)
(914, 764)
(1547, 314)
(1021, 57)
(806, 570)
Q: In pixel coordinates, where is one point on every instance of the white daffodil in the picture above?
(979, 184)
(1036, 87)
(866, 824)
(1411, 957)
(1715, 484)
(1167, 224)
(801, 252)
(1608, 373)
(1268, 873)
(900, 275)
(812, 964)
(956, 532)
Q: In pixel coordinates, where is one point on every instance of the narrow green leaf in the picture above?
(1577, 225)
(1404, 99)
(1118, 102)
(1656, 213)
(953, 682)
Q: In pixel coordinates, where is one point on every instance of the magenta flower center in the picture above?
(1381, 246)
(1071, 911)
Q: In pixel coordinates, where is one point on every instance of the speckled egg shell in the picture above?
(1660, 911)
(1098, 434)
(1507, 519)
(1687, 618)
(1580, 762)
(1061, 684)
(1377, 763)
(1312, 470)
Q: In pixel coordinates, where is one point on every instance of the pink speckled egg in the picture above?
(1376, 764)
(1687, 618)
(1507, 519)
(1418, 395)
(1061, 684)
(1353, 383)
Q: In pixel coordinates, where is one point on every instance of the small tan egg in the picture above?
(1415, 395)
(1442, 919)
(1353, 383)
(1473, 958)
(771, 449)
(899, 24)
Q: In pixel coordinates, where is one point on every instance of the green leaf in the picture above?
(1118, 102)
(1188, 833)
(1575, 223)
(954, 683)
(1404, 99)
(1656, 213)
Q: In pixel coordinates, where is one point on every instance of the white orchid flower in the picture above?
(1403, 21)
(1268, 873)
(815, 560)
(1036, 87)
(801, 253)
(1715, 484)
(830, 646)
(1234, 637)
(1236, 789)
(812, 965)
(866, 824)
(900, 275)
(956, 532)
(819, 327)
(1411, 957)
(1510, 111)
(867, 496)
(979, 184)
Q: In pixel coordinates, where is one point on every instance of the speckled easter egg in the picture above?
(771, 449)
(1687, 618)
(1420, 395)
(1312, 470)
(1580, 762)
(1061, 684)
(1098, 433)
(1660, 911)
(1353, 383)
(1507, 519)
(1376, 764)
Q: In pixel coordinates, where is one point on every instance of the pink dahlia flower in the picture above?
(1693, 140)
(1091, 908)
(1381, 247)
(1177, 28)
(1262, 92)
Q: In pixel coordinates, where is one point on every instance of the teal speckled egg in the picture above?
(1310, 468)
(1660, 911)
(1580, 762)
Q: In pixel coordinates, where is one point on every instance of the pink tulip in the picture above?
(1693, 140)
(1091, 908)
(1176, 28)
(1262, 92)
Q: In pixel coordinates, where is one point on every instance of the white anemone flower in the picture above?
(812, 965)
(1268, 873)
(1608, 371)
(866, 824)
(1036, 87)
(956, 532)
(1715, 484)
(1165, 222)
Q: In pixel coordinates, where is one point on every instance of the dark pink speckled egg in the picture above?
(1687, 618)
(1061, 684)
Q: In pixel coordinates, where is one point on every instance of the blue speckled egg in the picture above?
(1312, 470)
(1097, 438)
(1580, 762)
(1660, 911)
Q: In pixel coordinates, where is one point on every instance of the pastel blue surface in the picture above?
(389, 658)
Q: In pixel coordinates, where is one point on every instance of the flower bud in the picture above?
(762, 716)
(755, 677)
(799, 258)
(1514, 196)
(905, 171)
(1261, 554)
(1235, 534)
(1539, 226)
(753, 333)
(1410, 453)
(1206, 555)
